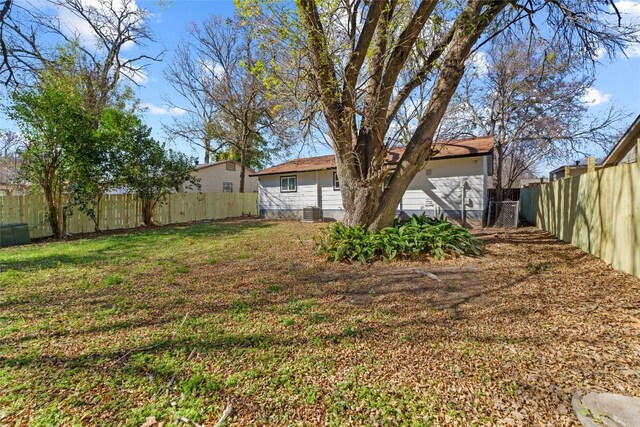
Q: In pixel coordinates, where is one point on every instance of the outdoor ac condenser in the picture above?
(311, 214)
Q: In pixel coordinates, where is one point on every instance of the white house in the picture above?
(222, 177)
(627, 149)
(454, 183)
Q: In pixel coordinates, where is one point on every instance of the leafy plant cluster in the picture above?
(418, 235)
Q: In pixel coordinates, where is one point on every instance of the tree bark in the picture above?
(53, 214)
(499, 166)
(96, 214)
(243, 160)
(147, 211)
(360, 153)
(207, 152)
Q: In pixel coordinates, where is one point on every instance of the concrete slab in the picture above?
(607, 409)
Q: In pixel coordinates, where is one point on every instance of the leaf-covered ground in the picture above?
(180, 322)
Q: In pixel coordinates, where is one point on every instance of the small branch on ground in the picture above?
(227, 412)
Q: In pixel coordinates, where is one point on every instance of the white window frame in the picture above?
(289, 178)
(224, 190)
(336, 182)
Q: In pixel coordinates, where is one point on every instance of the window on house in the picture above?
(227, 187)
(231, 166)
(336, 182)
(288, 184)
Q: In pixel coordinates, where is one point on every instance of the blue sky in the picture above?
(618, 81)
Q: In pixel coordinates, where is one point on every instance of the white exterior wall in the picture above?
(271, 199)
(441, 189)
(212, 177)
(331, 199)
(438, 192)
(631, 156)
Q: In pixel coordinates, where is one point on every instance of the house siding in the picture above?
(213, 177)
(435, 192)
(274, 203)
(631, 156)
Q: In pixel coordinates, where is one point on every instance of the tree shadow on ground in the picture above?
(126, 245)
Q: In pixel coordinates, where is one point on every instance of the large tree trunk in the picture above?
(499, 166)
(359, 141)
(56, 219)
(243, 162)
(207, 151)
(147, 211)
(364, 201)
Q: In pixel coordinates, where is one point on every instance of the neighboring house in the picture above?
(567, 171)
(627, 150)
(222, 177)
(9, 167)
(454, 183)
(532, 181)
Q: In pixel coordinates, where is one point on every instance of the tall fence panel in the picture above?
(599, 212)
(120, 211)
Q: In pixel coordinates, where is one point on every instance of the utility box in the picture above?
(14, 234)
(311, 214)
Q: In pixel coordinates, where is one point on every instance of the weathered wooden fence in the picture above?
(599, 212)
(124, 211)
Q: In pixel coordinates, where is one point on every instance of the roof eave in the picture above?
(455, 156)
(621, 144)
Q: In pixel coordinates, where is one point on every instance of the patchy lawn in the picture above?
(178, 322)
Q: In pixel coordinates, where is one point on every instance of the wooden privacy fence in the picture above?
(599, 212)
(120, 211)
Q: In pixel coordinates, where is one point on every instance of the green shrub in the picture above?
(405, 239)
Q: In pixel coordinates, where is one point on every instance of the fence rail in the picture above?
(121, 211)
(599, 212)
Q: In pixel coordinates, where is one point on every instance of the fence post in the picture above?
(591, 164)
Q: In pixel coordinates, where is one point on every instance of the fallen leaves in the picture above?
(504, 339)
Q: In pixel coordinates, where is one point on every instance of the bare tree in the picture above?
(193, 77)
(367, 59)
(31, 35)
(223, 80)
(532, 100)
(6, 72)
(10, 146)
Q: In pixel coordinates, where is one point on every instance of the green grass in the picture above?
(178, 322)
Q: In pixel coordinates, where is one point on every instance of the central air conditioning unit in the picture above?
(311, 214)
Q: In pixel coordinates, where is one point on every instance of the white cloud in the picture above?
(600, 53)
(76, 25)
(593, 97)
(160, 110)
(630, 9)
(211, 67)
(479, 62)
(633, 51)
(630, 15)
(138, 76)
